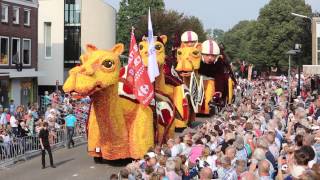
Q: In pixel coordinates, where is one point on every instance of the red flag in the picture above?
(137, 75)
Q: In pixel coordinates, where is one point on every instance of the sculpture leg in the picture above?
(141, 132)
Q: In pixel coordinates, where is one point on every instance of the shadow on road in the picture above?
(116, 163)
(63, 162)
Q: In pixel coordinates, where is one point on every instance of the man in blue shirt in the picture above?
(70, 120)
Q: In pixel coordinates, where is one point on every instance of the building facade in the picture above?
(18, 51)
(316, 41)
(65, 27)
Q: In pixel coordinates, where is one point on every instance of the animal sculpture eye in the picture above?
(140, 47)
(157, 47)
(108, 64)
(179, 52)
(195, 53)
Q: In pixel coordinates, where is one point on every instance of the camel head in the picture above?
(98, 70)
(159, 47)
(188, 59)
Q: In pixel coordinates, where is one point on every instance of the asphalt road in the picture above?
(71, 164)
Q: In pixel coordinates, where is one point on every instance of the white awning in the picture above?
(311, 69)
(13, 73)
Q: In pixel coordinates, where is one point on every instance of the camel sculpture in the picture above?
(117, 129)
(160, 85)
(188, 59)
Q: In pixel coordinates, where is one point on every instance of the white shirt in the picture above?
(211, 160)
(3, 119)
(186, 151)
(6, 138)
(13, 122)
(176, 150)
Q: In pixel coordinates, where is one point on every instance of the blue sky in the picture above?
(222, 14)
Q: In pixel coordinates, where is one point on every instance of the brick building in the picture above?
(18, 51)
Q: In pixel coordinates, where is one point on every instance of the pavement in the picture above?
(71, 164)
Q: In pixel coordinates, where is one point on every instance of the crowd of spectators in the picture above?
(260, 136)
(18, 122)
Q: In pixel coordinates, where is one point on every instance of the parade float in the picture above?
(129, 114)
(98, 77)
(200, 89)
(165, 110)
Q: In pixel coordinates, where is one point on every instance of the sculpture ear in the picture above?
(164, 39)
(91, 48)
(118, 48)
(144, 38)
(198, 46)
(183, 45)
(83, 58)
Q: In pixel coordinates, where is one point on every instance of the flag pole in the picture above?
(155, 116)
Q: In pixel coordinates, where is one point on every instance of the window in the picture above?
(47, 39)
(72, 10)
(26, 17)
(15, 15)
(4, 50)
(26, 50)
(15, 50)
(4, 13)
(72, 45)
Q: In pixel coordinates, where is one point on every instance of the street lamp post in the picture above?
(301, 16)
(291, 53)
(299, 47)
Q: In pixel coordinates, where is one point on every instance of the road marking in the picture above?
(92, 167)
(75, 175)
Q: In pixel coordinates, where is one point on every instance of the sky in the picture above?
(221, 14)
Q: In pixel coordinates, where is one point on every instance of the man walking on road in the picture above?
(70, 125)
(45, 145)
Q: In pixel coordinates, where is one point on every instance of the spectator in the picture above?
(226, 171)
(12, 107)
(170, 169)
(45, 145)
(3, 119)
(23, 129)
(264, 168)
(70, 122)
(114, 177)
(205, 173)
(14, 125)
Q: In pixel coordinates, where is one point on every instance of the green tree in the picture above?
(216, 34)
(172, 24)
(277, 31)
(129, 14)
(264, 42)
(237, 40)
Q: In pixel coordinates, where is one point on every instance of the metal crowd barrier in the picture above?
(24, 148)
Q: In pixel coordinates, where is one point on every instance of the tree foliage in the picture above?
(130, 12)
(216, 34)
(265, 41)
(172, 24)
